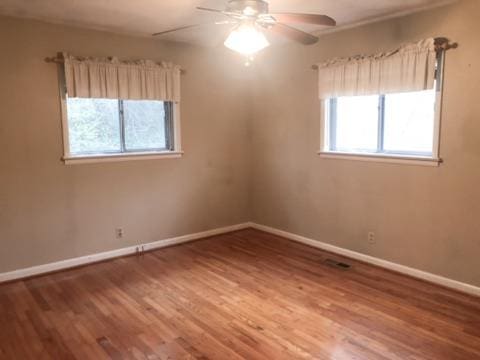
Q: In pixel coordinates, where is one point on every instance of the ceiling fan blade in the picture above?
(293, 34)
(177, 29)
(292, 18)
(223, 12)
(209, 9)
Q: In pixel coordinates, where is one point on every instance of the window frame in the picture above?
(328, 135)
(173, 147)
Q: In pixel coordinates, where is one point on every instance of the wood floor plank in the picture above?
(243, 295)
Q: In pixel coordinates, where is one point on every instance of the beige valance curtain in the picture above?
(409, 68)
(114, 79)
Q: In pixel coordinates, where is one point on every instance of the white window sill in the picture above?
(385, 158)
(99, 158)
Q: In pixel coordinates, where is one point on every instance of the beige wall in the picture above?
(49, 211)
(426, 218)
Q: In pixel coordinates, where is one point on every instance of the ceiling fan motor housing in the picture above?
(257, 6)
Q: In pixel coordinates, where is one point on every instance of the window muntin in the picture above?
(106, 126)
(393, 124)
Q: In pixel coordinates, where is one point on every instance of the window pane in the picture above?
(357, 123)
(409, 122)
(144, 124)
(93, 125)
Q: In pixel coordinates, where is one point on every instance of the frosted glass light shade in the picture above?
(246, 40)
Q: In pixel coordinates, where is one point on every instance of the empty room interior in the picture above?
(243, 179)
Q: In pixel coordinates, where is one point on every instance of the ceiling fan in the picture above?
(251, 17)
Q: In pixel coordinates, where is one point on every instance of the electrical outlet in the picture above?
(119, 233)
(371, 238)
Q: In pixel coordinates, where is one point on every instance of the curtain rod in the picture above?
(440, 43)
(59, 60)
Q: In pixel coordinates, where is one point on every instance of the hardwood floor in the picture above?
(244, 295)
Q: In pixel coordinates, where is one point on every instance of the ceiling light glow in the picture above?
(249, 11)
(246, 39)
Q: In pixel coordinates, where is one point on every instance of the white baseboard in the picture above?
(436, 279)
(88, 259)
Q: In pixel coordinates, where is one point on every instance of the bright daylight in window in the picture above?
(401, 124)
(110, 126)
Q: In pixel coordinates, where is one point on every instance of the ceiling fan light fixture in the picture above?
(246, 39)
(249, 11)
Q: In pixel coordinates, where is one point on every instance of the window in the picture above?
(395, 124)
(387, 127)
(103, 128)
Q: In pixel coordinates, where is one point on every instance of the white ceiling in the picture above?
(144, 17)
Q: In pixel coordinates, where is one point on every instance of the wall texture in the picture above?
(426, 218)
(50, 211)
